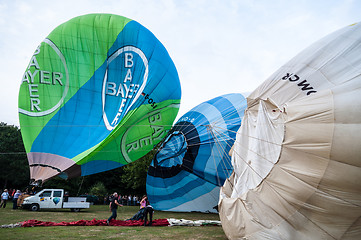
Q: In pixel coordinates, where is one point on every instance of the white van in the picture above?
(54, 198)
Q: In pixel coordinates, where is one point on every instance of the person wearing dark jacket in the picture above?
(113, 206)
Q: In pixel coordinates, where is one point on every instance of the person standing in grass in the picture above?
(15, 199)
(113, 206)
(4, 198)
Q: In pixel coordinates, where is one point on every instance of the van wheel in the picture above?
(34, 207)
(75, 209)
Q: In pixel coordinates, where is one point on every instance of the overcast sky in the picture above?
(218, 46)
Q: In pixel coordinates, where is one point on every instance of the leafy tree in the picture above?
(83, 185)
(14, 170)
(98, 189)
(135, 174)
(71, 186)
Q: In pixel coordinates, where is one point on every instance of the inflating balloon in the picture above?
(193, 161)
(99, 92)
(297, 155)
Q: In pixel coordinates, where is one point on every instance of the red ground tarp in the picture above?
(94, 222)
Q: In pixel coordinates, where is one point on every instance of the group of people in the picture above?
(126, 200)
(145, 210)
(7, 195)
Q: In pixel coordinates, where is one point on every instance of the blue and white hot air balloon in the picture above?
(193, 162)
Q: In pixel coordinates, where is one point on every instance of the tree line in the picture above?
(14, 171)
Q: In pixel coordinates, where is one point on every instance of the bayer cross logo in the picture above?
(45, 83)
(124, 80)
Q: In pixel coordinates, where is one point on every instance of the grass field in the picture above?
(8, 216)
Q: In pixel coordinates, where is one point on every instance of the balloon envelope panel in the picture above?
(296, 158)
(100, 91)
(193, 161)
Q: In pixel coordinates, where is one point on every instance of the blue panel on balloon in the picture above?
(193, 161)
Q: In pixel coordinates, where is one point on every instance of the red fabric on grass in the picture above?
(94, 222)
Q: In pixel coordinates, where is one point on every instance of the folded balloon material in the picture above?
(195, 223)
(193, 161)
(127, 223)
(297, 155)
(99, 92)
(94, 222)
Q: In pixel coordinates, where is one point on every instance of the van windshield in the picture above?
(45, 194)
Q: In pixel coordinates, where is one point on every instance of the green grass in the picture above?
(8, 216)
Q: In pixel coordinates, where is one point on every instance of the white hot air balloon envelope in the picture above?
(297, 156)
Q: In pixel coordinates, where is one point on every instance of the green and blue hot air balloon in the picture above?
(99, 92)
